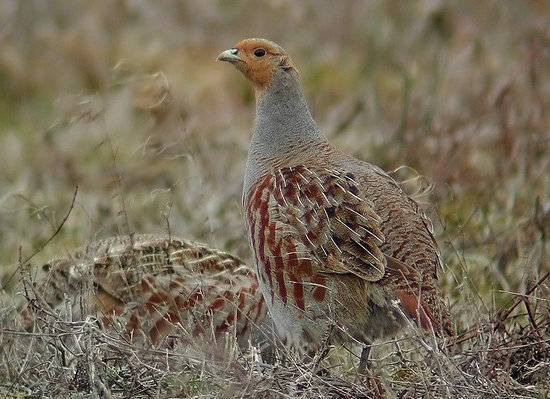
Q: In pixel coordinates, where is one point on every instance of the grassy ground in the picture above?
(125, 101)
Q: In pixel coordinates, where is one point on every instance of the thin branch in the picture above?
(45, 243)
(503, 318)
(472, 332)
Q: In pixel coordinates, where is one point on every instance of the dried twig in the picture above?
(43, 245)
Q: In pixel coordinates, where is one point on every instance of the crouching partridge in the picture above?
(158, 289)
(340, 249)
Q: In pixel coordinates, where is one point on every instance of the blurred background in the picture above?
(124, 99)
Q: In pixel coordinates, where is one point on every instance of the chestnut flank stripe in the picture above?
(294, 275)
(279, 272)
(259, 309)
(318, 293)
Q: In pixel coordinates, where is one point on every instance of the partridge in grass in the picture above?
(340, 249)
(157, 289)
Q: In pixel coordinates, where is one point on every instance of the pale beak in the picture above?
(229, 55)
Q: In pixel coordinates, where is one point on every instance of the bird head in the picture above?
(259, 60)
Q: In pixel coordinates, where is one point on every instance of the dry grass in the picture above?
(124, 100)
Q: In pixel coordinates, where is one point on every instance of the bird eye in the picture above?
(259, 52)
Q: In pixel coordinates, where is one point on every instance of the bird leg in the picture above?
(364, 360)
(364, 371)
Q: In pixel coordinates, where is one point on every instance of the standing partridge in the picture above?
(340, 249)
(156, 288)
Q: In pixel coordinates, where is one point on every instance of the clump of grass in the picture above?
(60, 357)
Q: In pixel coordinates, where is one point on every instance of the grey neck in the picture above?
(283, 125)
(283, 119)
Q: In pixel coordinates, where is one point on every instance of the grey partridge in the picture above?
(157, 288)
(341, 250)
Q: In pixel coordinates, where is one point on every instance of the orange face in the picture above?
(258, 60)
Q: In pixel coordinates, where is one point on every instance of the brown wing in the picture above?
(317, 217)
(409, 241)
